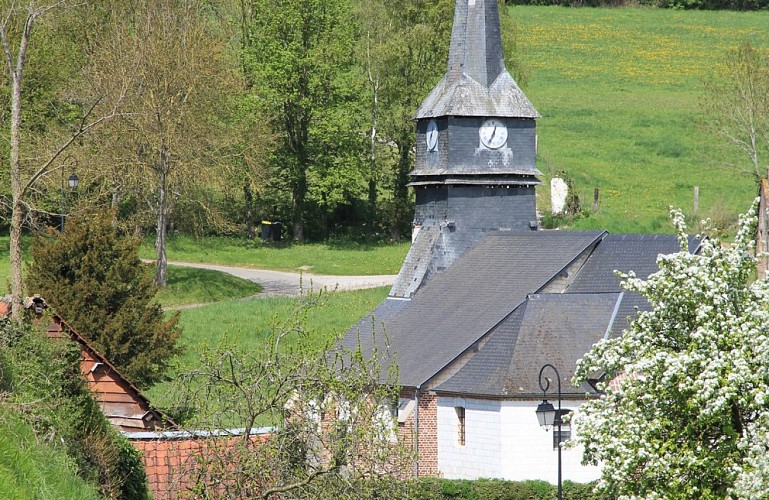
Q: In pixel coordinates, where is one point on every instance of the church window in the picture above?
(460, 424)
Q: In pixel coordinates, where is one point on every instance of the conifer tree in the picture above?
(95, 280)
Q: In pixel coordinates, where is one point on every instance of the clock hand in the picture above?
(493, 134)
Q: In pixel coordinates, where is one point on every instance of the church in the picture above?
(485, 298)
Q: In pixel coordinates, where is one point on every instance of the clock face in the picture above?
(431, 136)
(493, 133)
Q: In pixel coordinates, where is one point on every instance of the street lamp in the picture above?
(72, 183)
(549, 416)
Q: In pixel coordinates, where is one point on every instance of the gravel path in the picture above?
(285, 284)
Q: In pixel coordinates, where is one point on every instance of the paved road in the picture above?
(285, 284)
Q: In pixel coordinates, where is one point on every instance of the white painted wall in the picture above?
(503, 440)
(482, 452)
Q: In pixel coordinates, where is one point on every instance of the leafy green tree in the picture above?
(167, 146)
(410, 59)
(96, 281)
(34, 144)
(686, 402)
(297, 56)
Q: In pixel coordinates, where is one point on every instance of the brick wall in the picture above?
(428, 433)
(174, 465)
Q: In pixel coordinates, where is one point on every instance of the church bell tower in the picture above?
(476, 145)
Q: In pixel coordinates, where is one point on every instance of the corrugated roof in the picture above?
(454, 309)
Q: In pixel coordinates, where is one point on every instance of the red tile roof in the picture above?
(122, 402)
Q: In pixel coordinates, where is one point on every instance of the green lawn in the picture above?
(321, 258)
(193, 286)
(619, 90)
(246, 323)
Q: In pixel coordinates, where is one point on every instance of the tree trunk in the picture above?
(248, 198)
(15, 253)
(161, 266)
(300, 194)
(17, 216)
(401, 192)
(372, 180)
(372, 203)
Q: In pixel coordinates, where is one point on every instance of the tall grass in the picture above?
(30, 468)
(619, 93)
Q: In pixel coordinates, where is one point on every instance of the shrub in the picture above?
(493, 489)
(94, 278)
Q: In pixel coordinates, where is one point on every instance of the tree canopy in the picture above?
(686, 398)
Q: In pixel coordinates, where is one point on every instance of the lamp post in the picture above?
(72, 183)
(548, 416)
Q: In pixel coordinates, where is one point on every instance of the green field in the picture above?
(187, 285)
(343, 259)
(619, 93)
(247, 323)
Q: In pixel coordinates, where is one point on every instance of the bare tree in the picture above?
(16, 30)
(171, 140)
(737, 103)
(334, 431)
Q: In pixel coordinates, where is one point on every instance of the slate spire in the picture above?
(476, 32)
(476, 83)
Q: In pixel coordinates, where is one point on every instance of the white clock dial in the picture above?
(493, 133)
(431, 136)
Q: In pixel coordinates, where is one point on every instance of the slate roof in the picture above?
(417, 263)
(560, 328)
(455, 308)
(548, 328)
(476, 86)
(624, 252)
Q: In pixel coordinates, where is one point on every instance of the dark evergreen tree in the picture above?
(94, 278)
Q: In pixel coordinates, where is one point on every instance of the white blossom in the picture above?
(684, 413)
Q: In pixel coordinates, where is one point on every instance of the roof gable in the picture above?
(624, 252)
(122, 403)
(456, 308)
(549, 328)
(476, 82)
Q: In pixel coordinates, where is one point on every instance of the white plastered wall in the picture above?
(503, 440)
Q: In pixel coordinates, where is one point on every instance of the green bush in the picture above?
(33, 469)
(493, 489)
(94, 278)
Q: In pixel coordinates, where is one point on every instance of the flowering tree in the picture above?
(686, 402)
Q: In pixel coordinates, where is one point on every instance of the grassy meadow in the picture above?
(247, 323)
(619, 92)
(343, 259)
(187, 285)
